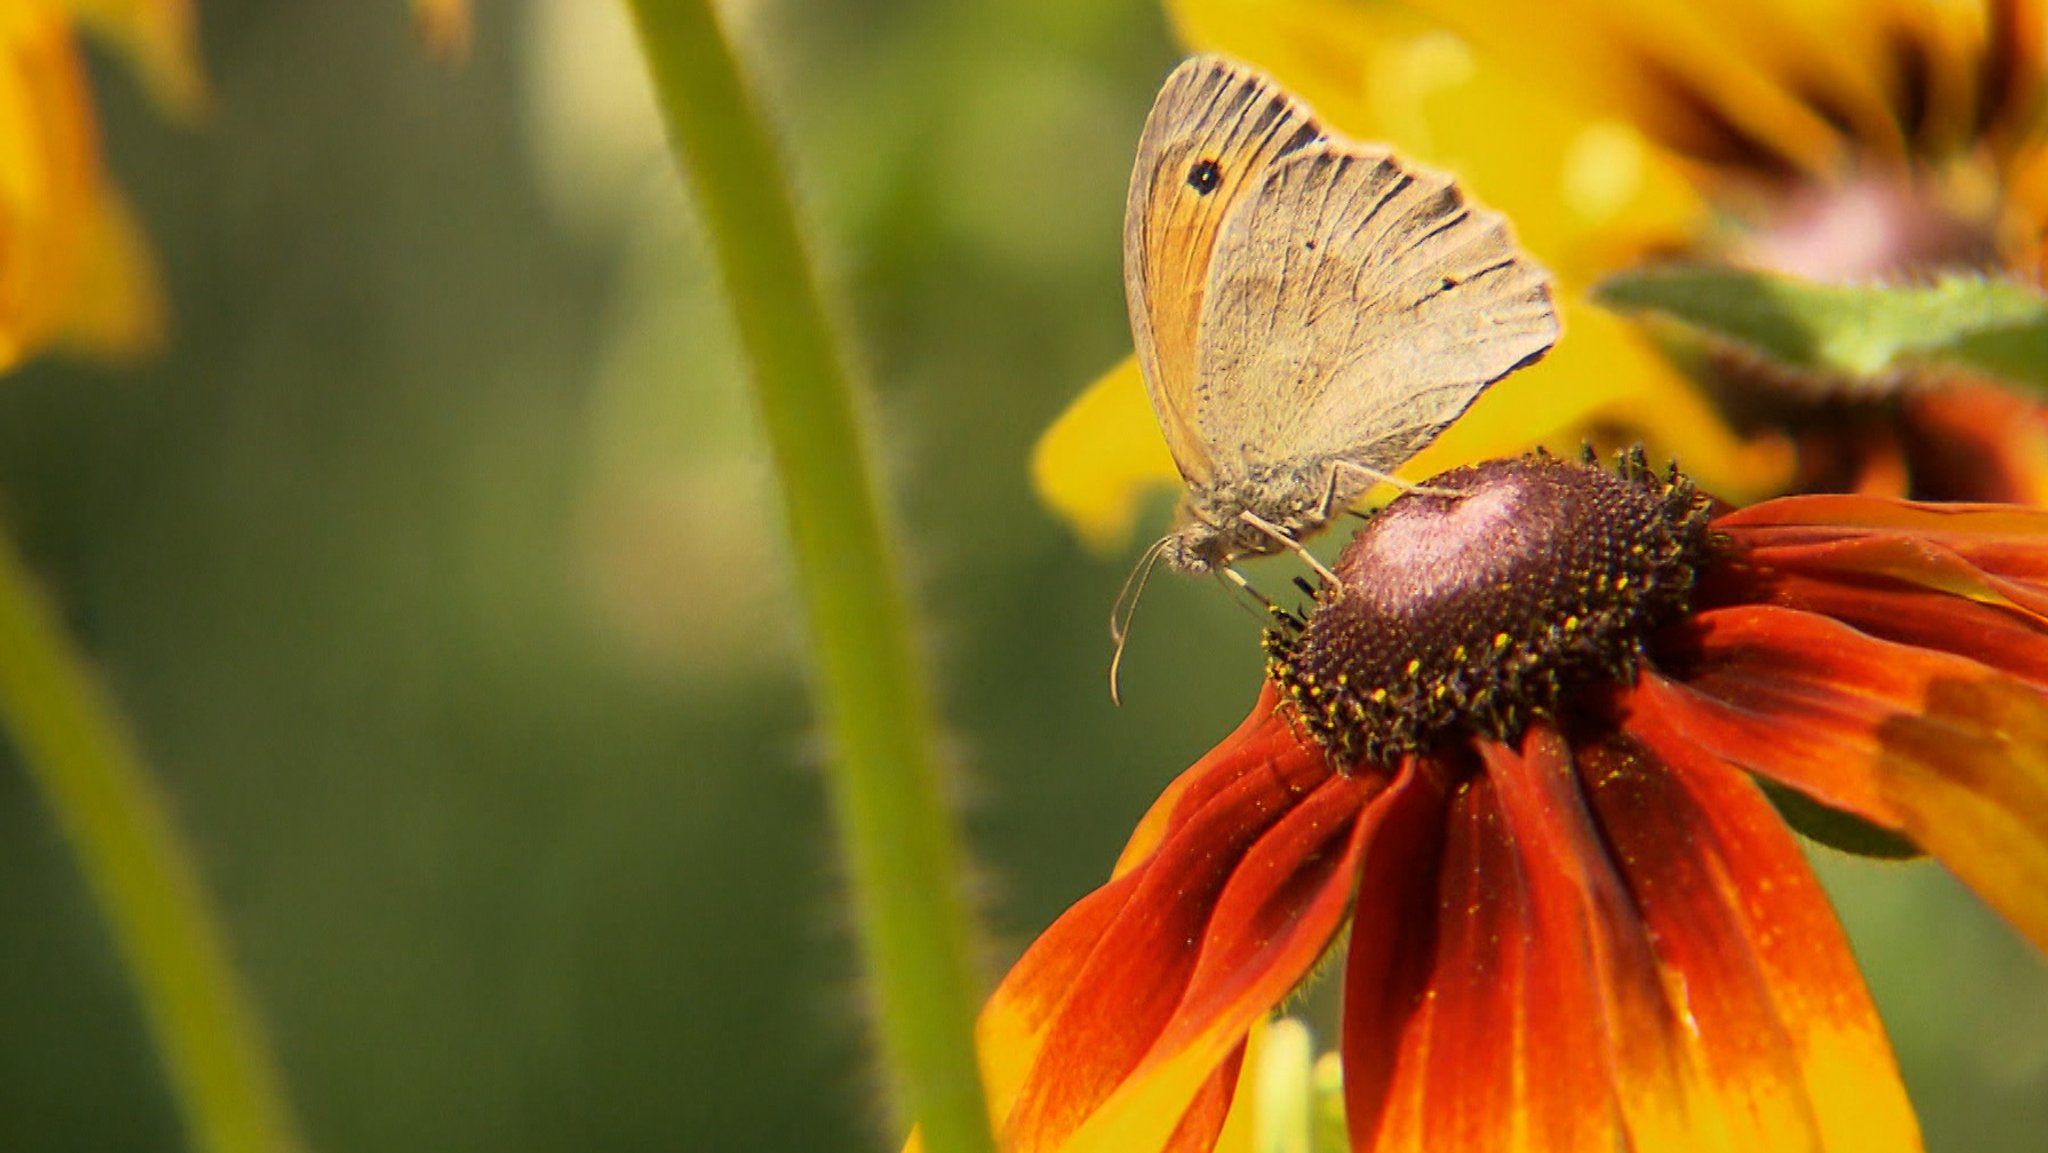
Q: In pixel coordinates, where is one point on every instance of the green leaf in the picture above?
(1852, 335)
(1835, 828)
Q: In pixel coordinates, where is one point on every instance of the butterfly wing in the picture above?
(1355, 307)
(1213, 136)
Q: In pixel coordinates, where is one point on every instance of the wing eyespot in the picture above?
(1204, 176)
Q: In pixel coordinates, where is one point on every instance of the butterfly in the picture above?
(1309, 311)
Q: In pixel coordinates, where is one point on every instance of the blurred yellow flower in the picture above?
(160, 38)
(1582, 195)
(1836, 139)
(444, 26)
(74, 268)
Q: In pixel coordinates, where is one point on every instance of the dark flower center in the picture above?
(1472, 613)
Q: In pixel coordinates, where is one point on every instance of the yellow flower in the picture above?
(74, 268)
(160, 38)
(444, 26)
(1833, 138)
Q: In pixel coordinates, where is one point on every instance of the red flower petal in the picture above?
(2002, 537)
(1775, 1013)
(1795, 697)
(1386, 972)
(1995, 570)
(1491, 1036)
(1126, 1017)
(1205, 1115)
(1971, 439)
(1997, 635)
(1646, 1059)
(1941, 748)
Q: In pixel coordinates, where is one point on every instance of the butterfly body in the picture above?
(1240, 517)
(1308, 311)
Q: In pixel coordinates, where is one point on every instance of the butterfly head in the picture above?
(1262, 513)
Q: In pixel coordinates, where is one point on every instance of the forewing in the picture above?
(1355, 307)
(1214, 134)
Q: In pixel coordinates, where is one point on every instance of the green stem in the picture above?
(74, 745)
(896, 835)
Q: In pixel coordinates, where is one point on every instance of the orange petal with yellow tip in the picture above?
(1780, 1036)
(1942, 748)
(1121, 1024)
(1652, 1084)
(1969, 773)
(1201, 1123)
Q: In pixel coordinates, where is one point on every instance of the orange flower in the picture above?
(74, 268)
(1514, 749)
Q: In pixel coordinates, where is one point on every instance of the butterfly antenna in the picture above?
(1126, 607)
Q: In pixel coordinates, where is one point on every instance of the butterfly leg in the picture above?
(1375, 476)
(1287, 541)
(1269, 613)
(1266, 608)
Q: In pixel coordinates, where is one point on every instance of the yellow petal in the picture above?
(117, 310)
(73, 264)
(1681, 71)
(49, 174)
(1584, 189)
(1605, 377)
(161, 40)
(1104, 456)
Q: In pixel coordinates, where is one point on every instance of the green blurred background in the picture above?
(436, 567)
